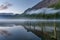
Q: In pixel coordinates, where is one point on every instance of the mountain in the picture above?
(6, 14)
(10, 16)
(35, 11)
(45, 4)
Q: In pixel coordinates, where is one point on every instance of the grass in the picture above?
(56, 6)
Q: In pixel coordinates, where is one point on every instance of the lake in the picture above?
(29, 29)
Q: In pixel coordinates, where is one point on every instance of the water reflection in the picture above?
(29, 30)
(16, 32)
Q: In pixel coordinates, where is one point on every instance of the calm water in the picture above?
(28, 29)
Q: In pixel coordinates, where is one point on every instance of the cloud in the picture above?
(5, 6)
(44, 10)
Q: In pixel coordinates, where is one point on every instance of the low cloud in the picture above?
(44, 10)
(5, 6)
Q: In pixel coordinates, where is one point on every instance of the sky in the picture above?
(16, 6)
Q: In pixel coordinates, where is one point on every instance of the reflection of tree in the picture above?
(55, 33)
(39, 33)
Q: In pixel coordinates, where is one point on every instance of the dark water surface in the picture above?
(28, 30)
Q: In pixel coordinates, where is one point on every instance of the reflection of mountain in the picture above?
(34, 27)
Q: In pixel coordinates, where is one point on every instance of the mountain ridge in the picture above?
(43, 4)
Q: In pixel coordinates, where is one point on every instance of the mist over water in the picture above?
(26, 29)
(24, 20)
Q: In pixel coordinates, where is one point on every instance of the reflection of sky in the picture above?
(19, 5)
(17, 33)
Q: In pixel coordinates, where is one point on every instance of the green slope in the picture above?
(56, 6)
